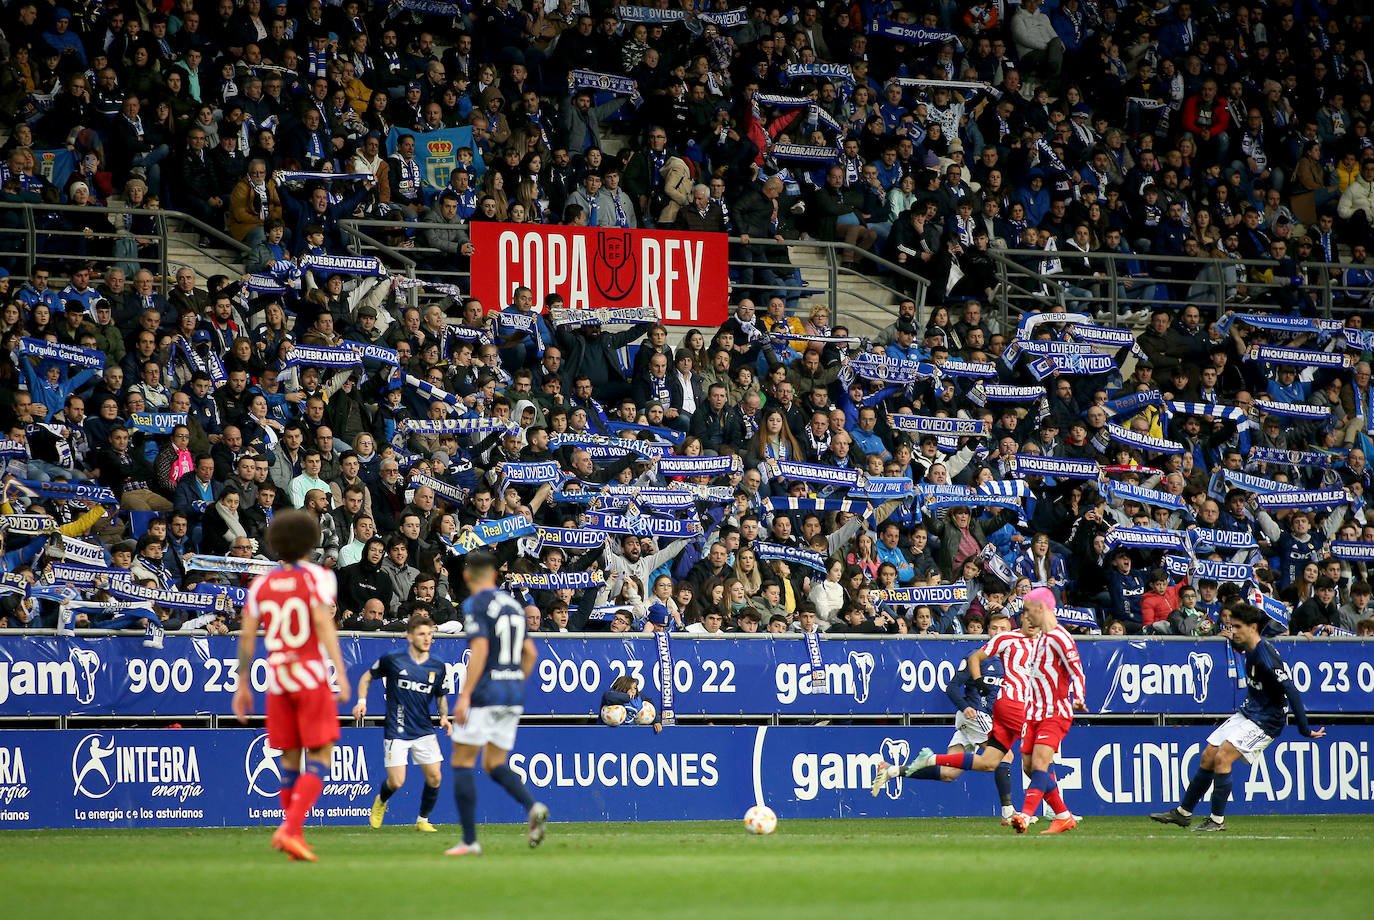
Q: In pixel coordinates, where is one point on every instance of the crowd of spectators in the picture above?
(1151, 127)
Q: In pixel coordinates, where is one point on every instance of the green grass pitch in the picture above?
(1114, 867)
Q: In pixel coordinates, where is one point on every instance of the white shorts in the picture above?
(970, 733)
(489, 725)
(421, 750)
(1245, 736)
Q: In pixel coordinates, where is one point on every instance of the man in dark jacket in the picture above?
(713, 424)
(758, 215)
(1318, 610)
(837, 215)
(589, 352)
(197, 193)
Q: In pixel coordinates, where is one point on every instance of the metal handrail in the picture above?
(163, 236)
(1021, 286)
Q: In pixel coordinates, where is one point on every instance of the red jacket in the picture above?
(1221, 119)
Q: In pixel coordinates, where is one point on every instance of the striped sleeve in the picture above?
(1068, 653)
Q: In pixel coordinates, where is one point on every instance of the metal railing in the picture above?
(413, 259)
(34, 228)
(1213, 285)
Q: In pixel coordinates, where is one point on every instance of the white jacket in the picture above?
(1359, 196)
(1032, 31)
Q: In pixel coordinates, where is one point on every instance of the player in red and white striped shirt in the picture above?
(295, 606)
(1055, 691)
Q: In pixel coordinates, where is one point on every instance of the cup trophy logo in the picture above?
(615, 270)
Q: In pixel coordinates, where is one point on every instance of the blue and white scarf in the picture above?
(815, 473)
(1290, 324)
(1293, 410)
(368, 266)
(1237, 572)
(1352, 550)
(603, 82)
(557, 581)
(1215, 410)
(912, 35)
(603, 316)
(1143, 442)
(1309, 499)
(530, 473)
(319, 356)
(839, 73)
(454, 495)
(1220, 539)
(1130, 405)
(921, 425)
(490, 533)
(462, 426)
(983, 393)
(1147, 538)
(790, 554)
(63, 354)
(1301, 357)
(974, 500)
(1058, 467)
(1106, 336)
(957, 368)
(643, 525)
(1125, 491)
(930, 595)
(1252, 483)
(700, 466)
(200, 562)
(1303, 458)
(802, 153)
(567, 538)
(77, 491)
(601, 446)
(164, 597)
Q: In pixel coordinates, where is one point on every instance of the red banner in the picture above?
(684, 276)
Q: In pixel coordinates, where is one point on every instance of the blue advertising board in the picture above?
(52, 675)
(230, 778)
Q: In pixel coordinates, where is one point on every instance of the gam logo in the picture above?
(74, 677)
(852, 678)
(1136, 682)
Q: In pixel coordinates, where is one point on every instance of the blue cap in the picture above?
(60, 13)
(658, 615)
(200, 335)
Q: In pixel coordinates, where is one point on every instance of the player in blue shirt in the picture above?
(1246, 734)
(973, 699)
(414, 680)
(492, 700)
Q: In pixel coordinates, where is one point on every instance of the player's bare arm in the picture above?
(444, 721)
(478, 648)
(360, 707)
(248, 641)
(323, 615)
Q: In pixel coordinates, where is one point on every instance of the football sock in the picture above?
(1002, 777)
(510, 781)
(1055, 800)
(1221, 791)
(931, 772)
(429, 797)
(386, 791)
(288, 783)
(1197, 787)
(465, 795)
(307, 789)
(959, 761)
(1039, 785)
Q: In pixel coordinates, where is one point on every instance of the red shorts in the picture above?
(303, 719)
(1049, 732)
(1007, 718)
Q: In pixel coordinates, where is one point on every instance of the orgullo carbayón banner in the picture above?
(684, 276)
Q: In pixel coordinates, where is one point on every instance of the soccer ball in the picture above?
(646, 713)
(760, 820)
(613, 715)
